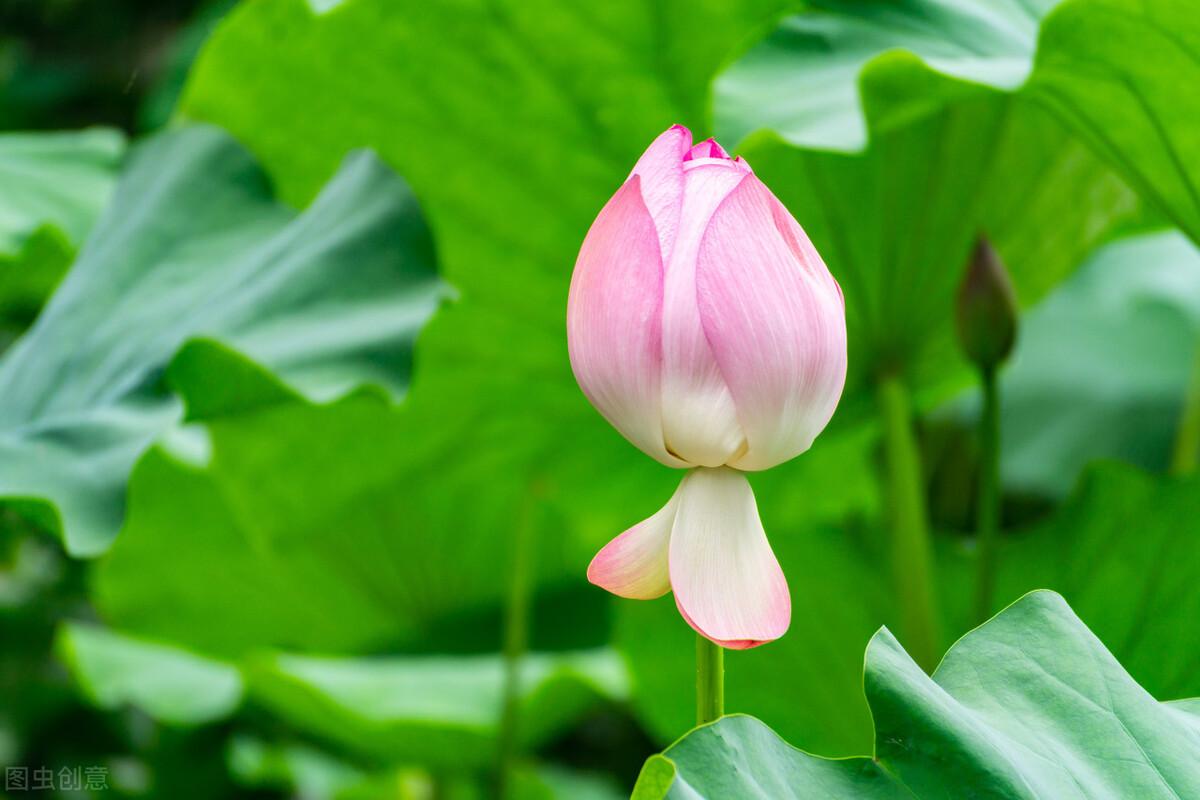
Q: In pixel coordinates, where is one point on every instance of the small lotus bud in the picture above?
(987, 308)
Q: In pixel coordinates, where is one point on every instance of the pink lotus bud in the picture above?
(704, 326)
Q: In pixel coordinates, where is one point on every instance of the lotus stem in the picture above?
(516, 642)
(912, 571)
(1187, 439)
(988, 511)
(710, 680)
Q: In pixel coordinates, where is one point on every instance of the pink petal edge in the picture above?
(660, 168)
(775, 321)
(614, 321)
(634, 564)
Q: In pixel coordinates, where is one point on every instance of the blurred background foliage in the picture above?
(283, 372)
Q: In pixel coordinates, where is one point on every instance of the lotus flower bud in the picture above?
(706, 329)
(987, 308)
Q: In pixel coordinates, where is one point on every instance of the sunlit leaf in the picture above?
(437, 710)
(170, 684)
(55, 185)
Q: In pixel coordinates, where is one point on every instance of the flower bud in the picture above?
(704, 326)
(987, 309)
(701, 321)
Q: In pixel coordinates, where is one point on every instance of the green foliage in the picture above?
(55, 186)
(58, 179)
(1122, 551)
(194, 245)
(1132, 111)
(442, 711)
(436, 710)
(170, 684)
(1102, 367)
(1028, 705)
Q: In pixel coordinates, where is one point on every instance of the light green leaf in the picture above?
(1123, 552)
(802, 81)
(169, 684)
(1138, 112)
(1101, 367)
(436, 710)
(193, 245)
(55, 185)
(1029, 705)
(304, 770)
(57, 179)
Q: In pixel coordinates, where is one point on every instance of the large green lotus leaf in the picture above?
(170, 684)
(1029, 705)
(1136, 113)
(1101, 367)
(436, 710)
(802, 81)
(1139, 112)
(194, 245)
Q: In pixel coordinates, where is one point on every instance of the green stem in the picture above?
(912, 573)
(710, 680)
(988, 512)
(1187, 439)
(516, 641)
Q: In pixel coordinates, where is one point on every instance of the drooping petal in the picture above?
(727, 583)
(775, 320)
(614, 328)
(661, 171)
(700, 420)
(634, 564)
